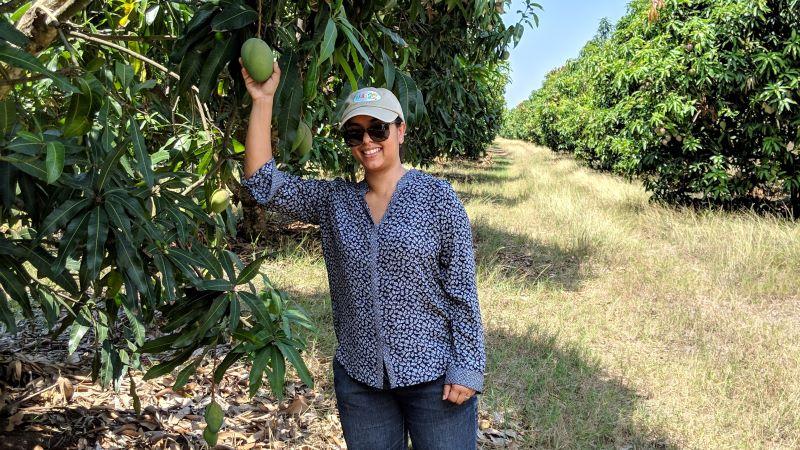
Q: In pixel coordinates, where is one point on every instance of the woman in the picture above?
(401, 270)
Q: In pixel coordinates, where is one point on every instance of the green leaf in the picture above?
(119, 218)
(184, 374)
(62, 214)
(257, 307)
(76, 334)
(278, 374)
(222, 52)
(124, 73)
(24, 60)
(9, 33)
(76, 229)
(169, 365)
(218, 284)
(250, 271)
(128, 259)
(234, 17)
(96, 241)
(167, 275)
(31, 166)
(110, 162)
(234, 355)
(137, 404)
(7, 315)
(388, 70)
(55, 161)
(159, 345)
(294, 358)
(260, 361)
(235, 313)
(328, 42)
(213, 315)
(43, 261)
(140, 151)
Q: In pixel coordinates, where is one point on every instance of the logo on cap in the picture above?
(366, 96)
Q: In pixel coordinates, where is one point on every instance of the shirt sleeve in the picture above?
(283, 192)
(458, 279)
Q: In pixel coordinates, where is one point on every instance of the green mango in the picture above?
(210, 437)
(213, 416)
(219, 200)
(257, 58)
(302, 140)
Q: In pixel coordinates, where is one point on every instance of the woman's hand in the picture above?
(262, 91)
(457, 393)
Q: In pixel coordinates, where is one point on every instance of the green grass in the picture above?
(610, 321)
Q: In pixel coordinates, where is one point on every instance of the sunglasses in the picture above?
(378, 131)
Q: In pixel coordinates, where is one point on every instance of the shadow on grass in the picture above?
(529, 261)
(492, 199)
(560, 397)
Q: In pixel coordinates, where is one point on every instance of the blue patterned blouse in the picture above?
(403, 291)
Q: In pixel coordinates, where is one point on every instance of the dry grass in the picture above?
(612, 322)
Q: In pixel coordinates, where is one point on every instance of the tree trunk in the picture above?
(36, 24)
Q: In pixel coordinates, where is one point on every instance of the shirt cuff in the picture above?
(264, 182)
(465, 377)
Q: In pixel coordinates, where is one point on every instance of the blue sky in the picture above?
(564, 27)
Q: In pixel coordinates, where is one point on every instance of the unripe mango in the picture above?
(210, 437)
(257, 58)
(219, 200)
(302, 140)
(214, 416)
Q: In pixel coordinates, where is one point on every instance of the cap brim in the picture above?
(373, 111)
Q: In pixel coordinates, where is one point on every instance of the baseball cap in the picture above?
(370, 101)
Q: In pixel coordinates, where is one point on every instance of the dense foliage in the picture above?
(120, 121)
(699, 98)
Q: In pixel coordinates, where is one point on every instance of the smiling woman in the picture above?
(411, 356)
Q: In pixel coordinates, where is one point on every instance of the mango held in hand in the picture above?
(214, 416)
(257, 58)
(219, 200)
(302, 140)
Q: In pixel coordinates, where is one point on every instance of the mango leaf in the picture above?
(250, 271)
(260, 361)
(54, 163)
(169, 365)
(293, 356)
(159, 345)
(234, 355)
(233, 17)
(62, 214)
(32, 166)
(24, 60)
(76, 333)
(10, 34)
(184, 374)
(222, 52)
(140, 150)
(43, 261)
(388, 70)
(235, 312)
(278, 374)
(76, 229)
(96, 241)
(328, 42)
(7, 315)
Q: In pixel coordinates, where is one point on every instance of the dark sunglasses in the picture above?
(378, 131)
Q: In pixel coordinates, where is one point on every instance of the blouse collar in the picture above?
(362, 186)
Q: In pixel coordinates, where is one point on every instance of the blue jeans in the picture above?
(381, 419)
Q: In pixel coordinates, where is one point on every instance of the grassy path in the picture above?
(611, 322)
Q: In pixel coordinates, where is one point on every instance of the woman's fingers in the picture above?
(446, 392)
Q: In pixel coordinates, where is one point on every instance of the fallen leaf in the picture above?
(298, 406)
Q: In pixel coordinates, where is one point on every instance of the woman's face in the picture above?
(376, 155)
